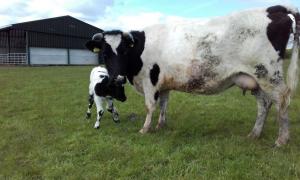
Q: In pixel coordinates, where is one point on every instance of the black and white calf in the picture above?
(99, 92)
(244, 49)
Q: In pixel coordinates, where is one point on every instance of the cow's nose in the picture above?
(120, 80)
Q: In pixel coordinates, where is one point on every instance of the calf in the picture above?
(244, 49)
(100, 91)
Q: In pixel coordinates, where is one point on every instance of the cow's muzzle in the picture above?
(120, 80)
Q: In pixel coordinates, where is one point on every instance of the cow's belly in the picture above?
(201, 77)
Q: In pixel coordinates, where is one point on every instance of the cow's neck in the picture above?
(135, 62)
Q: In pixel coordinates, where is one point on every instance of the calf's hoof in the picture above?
(88, 115)
(115, 117)
(97, 125)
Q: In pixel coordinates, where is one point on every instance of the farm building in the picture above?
(53, 41)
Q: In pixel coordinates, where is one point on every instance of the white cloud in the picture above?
(138, 21)
(15, 11)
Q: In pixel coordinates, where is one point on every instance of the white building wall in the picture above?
(57, 56)
(80, 56)
(48, 56)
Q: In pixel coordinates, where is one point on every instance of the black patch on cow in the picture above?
(261, 71)
(156, 95)
(278, 31)
(154, 74)
(276, 78)
(277, 9)
(135, 63)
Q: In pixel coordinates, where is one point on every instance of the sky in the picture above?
(126, 14)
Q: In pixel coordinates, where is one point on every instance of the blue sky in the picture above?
(195, 8)
(126, 14)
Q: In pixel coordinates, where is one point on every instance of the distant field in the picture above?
(43, 134)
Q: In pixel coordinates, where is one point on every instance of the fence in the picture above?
(13, 58)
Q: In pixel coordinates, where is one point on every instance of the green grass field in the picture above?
(44, 134)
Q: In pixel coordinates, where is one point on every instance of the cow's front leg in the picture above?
(150, 103)
(263, 106)
(100, 111)
(112, 109)
(163, 103)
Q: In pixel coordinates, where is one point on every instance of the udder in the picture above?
(245, 82)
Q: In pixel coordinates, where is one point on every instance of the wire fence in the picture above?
(13, 58)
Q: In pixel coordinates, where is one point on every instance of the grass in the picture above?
(43, 134)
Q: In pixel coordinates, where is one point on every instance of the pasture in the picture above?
(44, 134)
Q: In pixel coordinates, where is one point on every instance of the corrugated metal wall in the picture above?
(37, 39)
(60, 56)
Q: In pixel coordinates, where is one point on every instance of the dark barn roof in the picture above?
(57, 32)
(63, 25)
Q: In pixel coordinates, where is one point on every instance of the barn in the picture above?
(53, 41)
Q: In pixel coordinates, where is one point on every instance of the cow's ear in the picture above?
(93, 46)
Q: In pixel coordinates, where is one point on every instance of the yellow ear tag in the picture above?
(96, 50)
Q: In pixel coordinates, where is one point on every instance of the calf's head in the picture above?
(114, 46)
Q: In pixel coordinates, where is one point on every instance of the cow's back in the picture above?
(194, 53)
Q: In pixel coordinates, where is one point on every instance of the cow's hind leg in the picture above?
(281, 101)
(163, 102)
(280, 96)
(263, 106)
(91, 102)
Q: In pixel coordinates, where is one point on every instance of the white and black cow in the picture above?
(244, 49)
(100, 90)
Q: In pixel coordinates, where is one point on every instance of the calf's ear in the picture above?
(93, 46)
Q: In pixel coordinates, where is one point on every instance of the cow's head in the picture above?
(114, 46)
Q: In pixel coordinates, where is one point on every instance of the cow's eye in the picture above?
(102, 76)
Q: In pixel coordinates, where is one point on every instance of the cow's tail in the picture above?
(292, 74)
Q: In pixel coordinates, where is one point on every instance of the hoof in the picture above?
(253, 135)
(280, 142)
(144, 130)
(160, 126)
(117, 121)
(97, 125)
(115, 117)
(109, 110)
(88, 115)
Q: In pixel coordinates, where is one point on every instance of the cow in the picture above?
(100, 90)
(245, 49)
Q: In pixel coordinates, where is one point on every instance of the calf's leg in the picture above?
(99, 104)
(91, 102)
